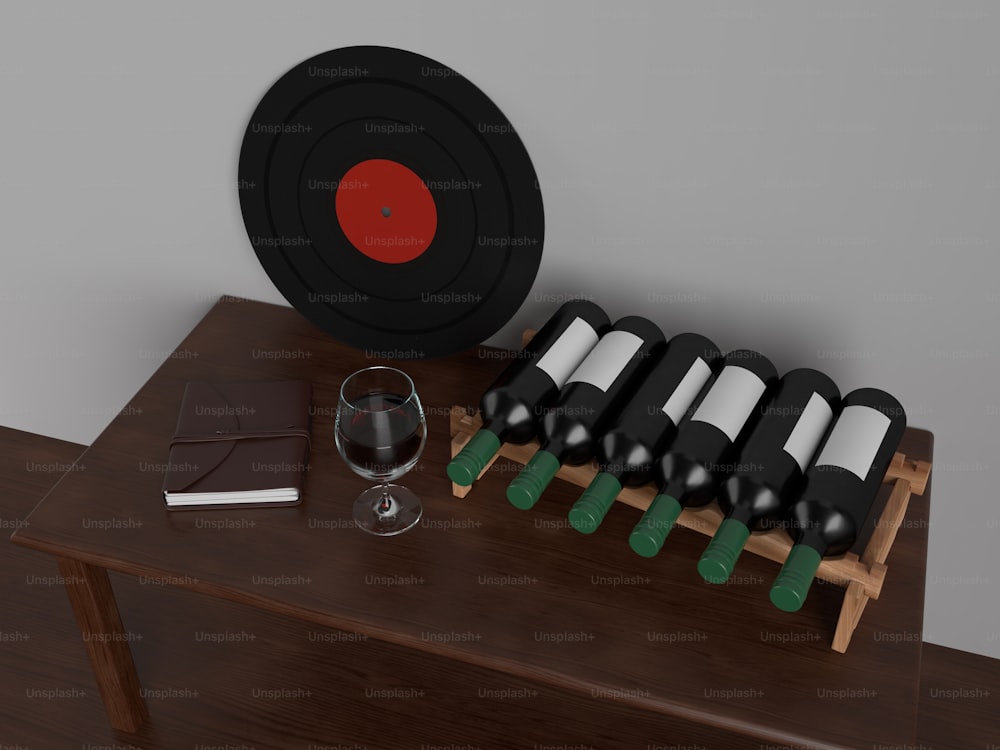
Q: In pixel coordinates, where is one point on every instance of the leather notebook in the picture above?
(239, 444)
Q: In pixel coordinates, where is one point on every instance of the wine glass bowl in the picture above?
(380, 432)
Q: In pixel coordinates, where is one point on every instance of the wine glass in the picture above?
(381, 431)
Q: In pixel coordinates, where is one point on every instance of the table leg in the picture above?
(96, 611)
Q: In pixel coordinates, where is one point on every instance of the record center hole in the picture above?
(386, 212)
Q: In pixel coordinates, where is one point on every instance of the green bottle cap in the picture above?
(528, 486)
(719, 558)
(595, 502)
(464, 468)
(650, 533)
(789, 590)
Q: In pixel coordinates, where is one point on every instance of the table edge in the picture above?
(503, 665)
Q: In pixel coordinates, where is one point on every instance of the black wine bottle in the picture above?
(646, 426)
(769, 471)
(511, 406)
(840, 488)
(689, 473)
(590, 400)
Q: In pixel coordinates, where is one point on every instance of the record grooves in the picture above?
(391, 202)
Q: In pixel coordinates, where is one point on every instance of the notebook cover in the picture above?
(243, 436)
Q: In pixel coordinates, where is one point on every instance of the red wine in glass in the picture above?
(383, 439)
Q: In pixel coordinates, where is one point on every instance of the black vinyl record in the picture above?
(391, 202)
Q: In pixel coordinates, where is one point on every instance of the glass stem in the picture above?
(385, 502)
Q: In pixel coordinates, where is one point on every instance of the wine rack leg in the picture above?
(888, 524)
(855, 600)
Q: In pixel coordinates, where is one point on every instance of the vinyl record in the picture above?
(391, 202)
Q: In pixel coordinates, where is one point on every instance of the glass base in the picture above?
(387, 516)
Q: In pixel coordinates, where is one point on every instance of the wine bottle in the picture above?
(646, 426)
(511, 406)
(840, 488)
(771, 465)
(590, 400)
(689, 473)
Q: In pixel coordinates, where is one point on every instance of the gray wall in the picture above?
(818, 182)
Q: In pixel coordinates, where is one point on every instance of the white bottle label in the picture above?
(568, 351)
(856, 438)
(687, 390)
(731, 399)
(809, 430)
(607, 360)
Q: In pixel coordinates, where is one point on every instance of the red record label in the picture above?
(386, 211)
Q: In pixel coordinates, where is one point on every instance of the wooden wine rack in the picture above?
(861, 575)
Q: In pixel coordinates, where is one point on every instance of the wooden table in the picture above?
(625, 651)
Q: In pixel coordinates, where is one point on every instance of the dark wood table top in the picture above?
(483, 583)
(959, 700)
